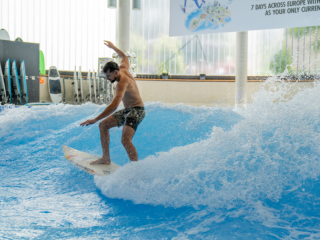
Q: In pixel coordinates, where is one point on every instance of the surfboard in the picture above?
(7, 81)
(3, 92)
(42, 67)
(18, 39)
(81, 88)
(109, 92)
(39, 104)
(95, 87)
(23, 82)
(15, 82)
(102, 90)
(54, 85)
(98, 88)
(4, 35)
(82, 160)
(75, 82)
(64, 91)
(89, 97)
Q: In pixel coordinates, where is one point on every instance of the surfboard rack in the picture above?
(101, 90)
(98, 90)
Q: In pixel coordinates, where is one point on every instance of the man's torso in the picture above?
(131, 97)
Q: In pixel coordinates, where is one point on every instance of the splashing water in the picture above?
(204, 173)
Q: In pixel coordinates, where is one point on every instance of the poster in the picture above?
(191, 17)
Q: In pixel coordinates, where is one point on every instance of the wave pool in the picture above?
(204, 173)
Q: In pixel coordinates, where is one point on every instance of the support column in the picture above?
(241, 69)
(124, 25)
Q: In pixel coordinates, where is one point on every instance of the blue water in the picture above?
(204, 173)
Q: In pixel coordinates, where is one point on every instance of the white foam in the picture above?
(272, 149)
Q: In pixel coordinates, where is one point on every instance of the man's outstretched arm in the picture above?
(125, 61)
(120, 91)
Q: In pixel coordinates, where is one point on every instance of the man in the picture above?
(129, 117)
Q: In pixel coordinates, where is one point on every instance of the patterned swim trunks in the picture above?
(131, 117)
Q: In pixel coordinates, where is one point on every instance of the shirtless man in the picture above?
(129, 117)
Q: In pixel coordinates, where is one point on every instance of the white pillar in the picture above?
(124, 25)
(241, 69)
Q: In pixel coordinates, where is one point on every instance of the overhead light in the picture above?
(136, 4)
(112, 3)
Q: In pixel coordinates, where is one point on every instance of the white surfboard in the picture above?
(4, 35)
(23, 82)
(15, 82)
(96, 86)
(76, 88)
(81, 88)
(98, 89)
(82, 160)
(109, 92)
(89, 97)
(3, 92)
(54, 85)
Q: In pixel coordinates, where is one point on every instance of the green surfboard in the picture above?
(42, 67)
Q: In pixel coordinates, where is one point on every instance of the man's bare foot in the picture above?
(101, 161)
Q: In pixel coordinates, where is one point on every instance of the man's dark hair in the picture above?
(111, 66)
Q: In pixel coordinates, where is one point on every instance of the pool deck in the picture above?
(194, 92)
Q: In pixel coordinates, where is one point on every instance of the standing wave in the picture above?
(271, 151)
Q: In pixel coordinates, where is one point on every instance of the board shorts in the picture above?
(131, 117)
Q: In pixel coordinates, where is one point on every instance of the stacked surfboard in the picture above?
(13, 87)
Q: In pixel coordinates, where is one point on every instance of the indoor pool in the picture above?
(203, 173)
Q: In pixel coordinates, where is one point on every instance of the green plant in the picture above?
(281, 60)
(300, 31)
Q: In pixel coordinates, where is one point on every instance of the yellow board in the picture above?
(82, 160)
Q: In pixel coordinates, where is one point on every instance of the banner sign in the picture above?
(190, 17)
